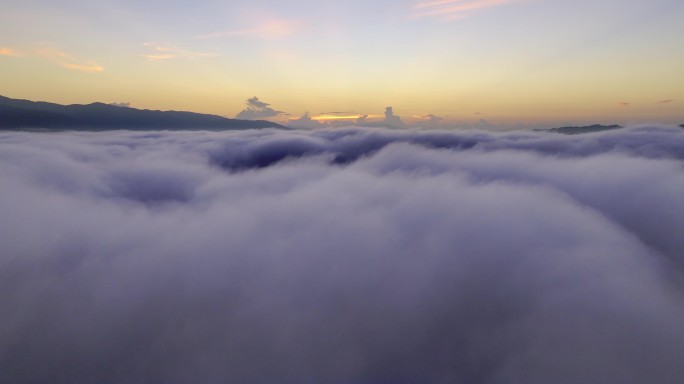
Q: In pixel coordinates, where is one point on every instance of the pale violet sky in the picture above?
(504, 60)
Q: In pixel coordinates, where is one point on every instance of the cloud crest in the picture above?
(392, 120)
(305, 122)
(257, 109)
(354, 255)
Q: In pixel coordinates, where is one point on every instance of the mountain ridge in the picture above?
(576, 130)
(17, 114)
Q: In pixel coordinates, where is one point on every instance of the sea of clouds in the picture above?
(342, 256)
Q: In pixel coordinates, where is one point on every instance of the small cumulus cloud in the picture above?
(432, 121)
(267, 29)
(305, 122)
(666, 101)
(389, 120)
(122, 105)
(257, 109)
(165, 52)
(624, 104)
(392, 120)
(454, 9)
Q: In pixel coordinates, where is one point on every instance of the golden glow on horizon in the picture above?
(324, 118)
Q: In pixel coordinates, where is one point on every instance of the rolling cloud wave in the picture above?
(342, 256)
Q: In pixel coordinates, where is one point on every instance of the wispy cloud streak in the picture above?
(56, 55)
(164, 52)
(454, 9)
(66, 60)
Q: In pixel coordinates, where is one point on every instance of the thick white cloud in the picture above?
(338, 256)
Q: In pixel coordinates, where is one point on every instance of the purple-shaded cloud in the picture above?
(342, 256)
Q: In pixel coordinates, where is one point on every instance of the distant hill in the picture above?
(24, 114)
(580, 130)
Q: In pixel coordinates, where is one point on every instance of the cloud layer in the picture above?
(342, 256)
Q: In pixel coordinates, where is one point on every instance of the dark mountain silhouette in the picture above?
(25, 114)
(580, 130)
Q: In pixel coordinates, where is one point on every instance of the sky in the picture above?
(469, 62)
